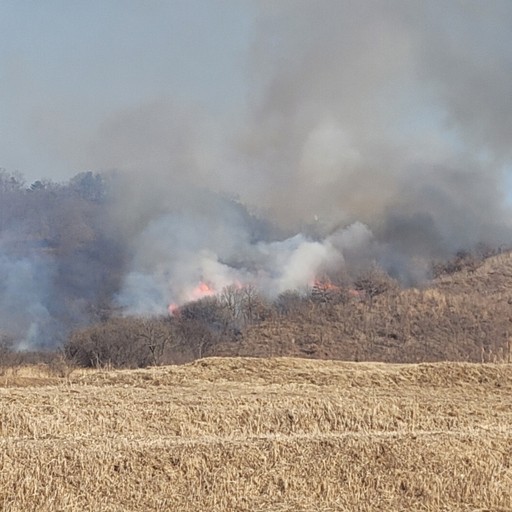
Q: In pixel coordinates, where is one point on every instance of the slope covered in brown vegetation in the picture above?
(464, 314)
(460, 316)
(257, 435)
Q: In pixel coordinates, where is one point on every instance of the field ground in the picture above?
(245, 434)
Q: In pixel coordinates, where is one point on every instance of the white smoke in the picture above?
(178, 253)
(25, 293)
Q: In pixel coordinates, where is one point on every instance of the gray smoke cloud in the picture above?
(372, 132)
(382, 124)
(362, 107)
(25, 289)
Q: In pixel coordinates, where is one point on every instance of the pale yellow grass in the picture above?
(258, 435)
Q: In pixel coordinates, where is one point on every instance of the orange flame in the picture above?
(203, 289)
(173, 309)
(325, 284)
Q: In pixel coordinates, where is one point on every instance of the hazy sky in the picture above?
(112, 83)
(68, 65)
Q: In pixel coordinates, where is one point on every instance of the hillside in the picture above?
(256, 435)
(464, 316)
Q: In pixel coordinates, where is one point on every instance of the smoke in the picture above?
(25, 293)
(373, 132)
(362, 109)
(178, 251)
(387, 119)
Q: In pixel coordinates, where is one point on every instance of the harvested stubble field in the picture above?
(247, 434)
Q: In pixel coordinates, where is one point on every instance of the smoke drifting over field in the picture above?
(373, 132)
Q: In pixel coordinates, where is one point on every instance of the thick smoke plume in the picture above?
(374, 132)
(379, 129)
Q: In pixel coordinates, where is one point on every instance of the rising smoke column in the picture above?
(387, 119)
(372, 131)
(393, 113)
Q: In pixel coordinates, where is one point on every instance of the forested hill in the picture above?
(60, 259)
(64, 257)
(464, 314)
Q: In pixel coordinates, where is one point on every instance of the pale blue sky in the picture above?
(67, 65)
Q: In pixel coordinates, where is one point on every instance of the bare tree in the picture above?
(157, 335)
(374, 282)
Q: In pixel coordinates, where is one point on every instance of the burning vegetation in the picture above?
(370, 318)
(69, 280)
(372, 153)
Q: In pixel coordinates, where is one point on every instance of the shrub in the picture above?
(120, 342)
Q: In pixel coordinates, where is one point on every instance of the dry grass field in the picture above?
(246, 434)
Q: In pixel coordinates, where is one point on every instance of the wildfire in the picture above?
(321, 286)
(325, 285)
(173, 309)
(203, 289)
